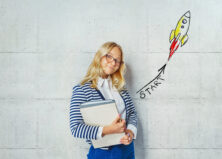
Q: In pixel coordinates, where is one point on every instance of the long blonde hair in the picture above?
(95, 71)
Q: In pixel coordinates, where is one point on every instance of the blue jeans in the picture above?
(115, 152)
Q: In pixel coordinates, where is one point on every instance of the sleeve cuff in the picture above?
(99, 133)
(133, 129)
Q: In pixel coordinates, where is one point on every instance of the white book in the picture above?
(101, 113)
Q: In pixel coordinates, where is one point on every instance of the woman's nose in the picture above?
(113, 62)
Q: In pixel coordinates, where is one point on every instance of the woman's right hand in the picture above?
(117, 126)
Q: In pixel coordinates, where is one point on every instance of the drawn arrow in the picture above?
(161, 70)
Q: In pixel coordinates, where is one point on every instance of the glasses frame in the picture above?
(117, 62)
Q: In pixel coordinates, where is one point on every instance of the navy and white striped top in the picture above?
(84, 93)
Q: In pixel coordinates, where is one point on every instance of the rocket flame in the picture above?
(174, 46)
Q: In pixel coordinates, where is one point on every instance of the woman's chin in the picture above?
(108, 71)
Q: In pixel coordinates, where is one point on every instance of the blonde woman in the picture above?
(105, 80)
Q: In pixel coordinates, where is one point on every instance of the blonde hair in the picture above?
(95, 71)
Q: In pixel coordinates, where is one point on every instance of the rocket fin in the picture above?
(172, 34)
(184, 40)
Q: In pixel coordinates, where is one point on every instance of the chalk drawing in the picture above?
(178, 37)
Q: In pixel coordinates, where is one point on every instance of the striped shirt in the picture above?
(84, 93)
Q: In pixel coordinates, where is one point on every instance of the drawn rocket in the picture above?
(179, 35)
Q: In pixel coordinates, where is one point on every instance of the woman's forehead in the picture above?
(116, 52)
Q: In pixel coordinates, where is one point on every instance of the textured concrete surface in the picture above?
(46, 47)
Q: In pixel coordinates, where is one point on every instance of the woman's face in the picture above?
(111, 62)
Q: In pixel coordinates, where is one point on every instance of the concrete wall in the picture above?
(46, 47)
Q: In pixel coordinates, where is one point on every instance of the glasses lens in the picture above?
(109, 58)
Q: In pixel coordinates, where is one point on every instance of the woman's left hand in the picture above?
(128, 138)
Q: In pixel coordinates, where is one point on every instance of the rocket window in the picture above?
(184, 21)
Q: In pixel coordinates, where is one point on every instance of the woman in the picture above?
(105, 80)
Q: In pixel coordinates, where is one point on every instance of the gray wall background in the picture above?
(46, 47)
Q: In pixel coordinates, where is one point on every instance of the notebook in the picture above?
(101, 113)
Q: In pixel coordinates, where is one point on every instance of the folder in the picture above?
(101, 113)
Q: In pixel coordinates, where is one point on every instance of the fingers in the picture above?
(123, 126)
(128, 131)
(119, 125)
(126, 140)
(123, 122)
(117, 119)
(125, 137)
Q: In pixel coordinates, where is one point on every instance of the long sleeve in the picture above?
(78, 128)
(133, 129)
(132, 115)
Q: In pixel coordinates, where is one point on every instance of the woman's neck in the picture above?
(104, 76)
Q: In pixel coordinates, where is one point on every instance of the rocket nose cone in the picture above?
(187, 14)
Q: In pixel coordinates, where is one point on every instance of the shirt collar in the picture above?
(101, 80)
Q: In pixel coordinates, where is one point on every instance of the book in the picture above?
(101, 113)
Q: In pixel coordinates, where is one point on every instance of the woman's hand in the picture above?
(128, 138)
(117, 126)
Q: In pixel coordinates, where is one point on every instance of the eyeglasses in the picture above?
(110, 58)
